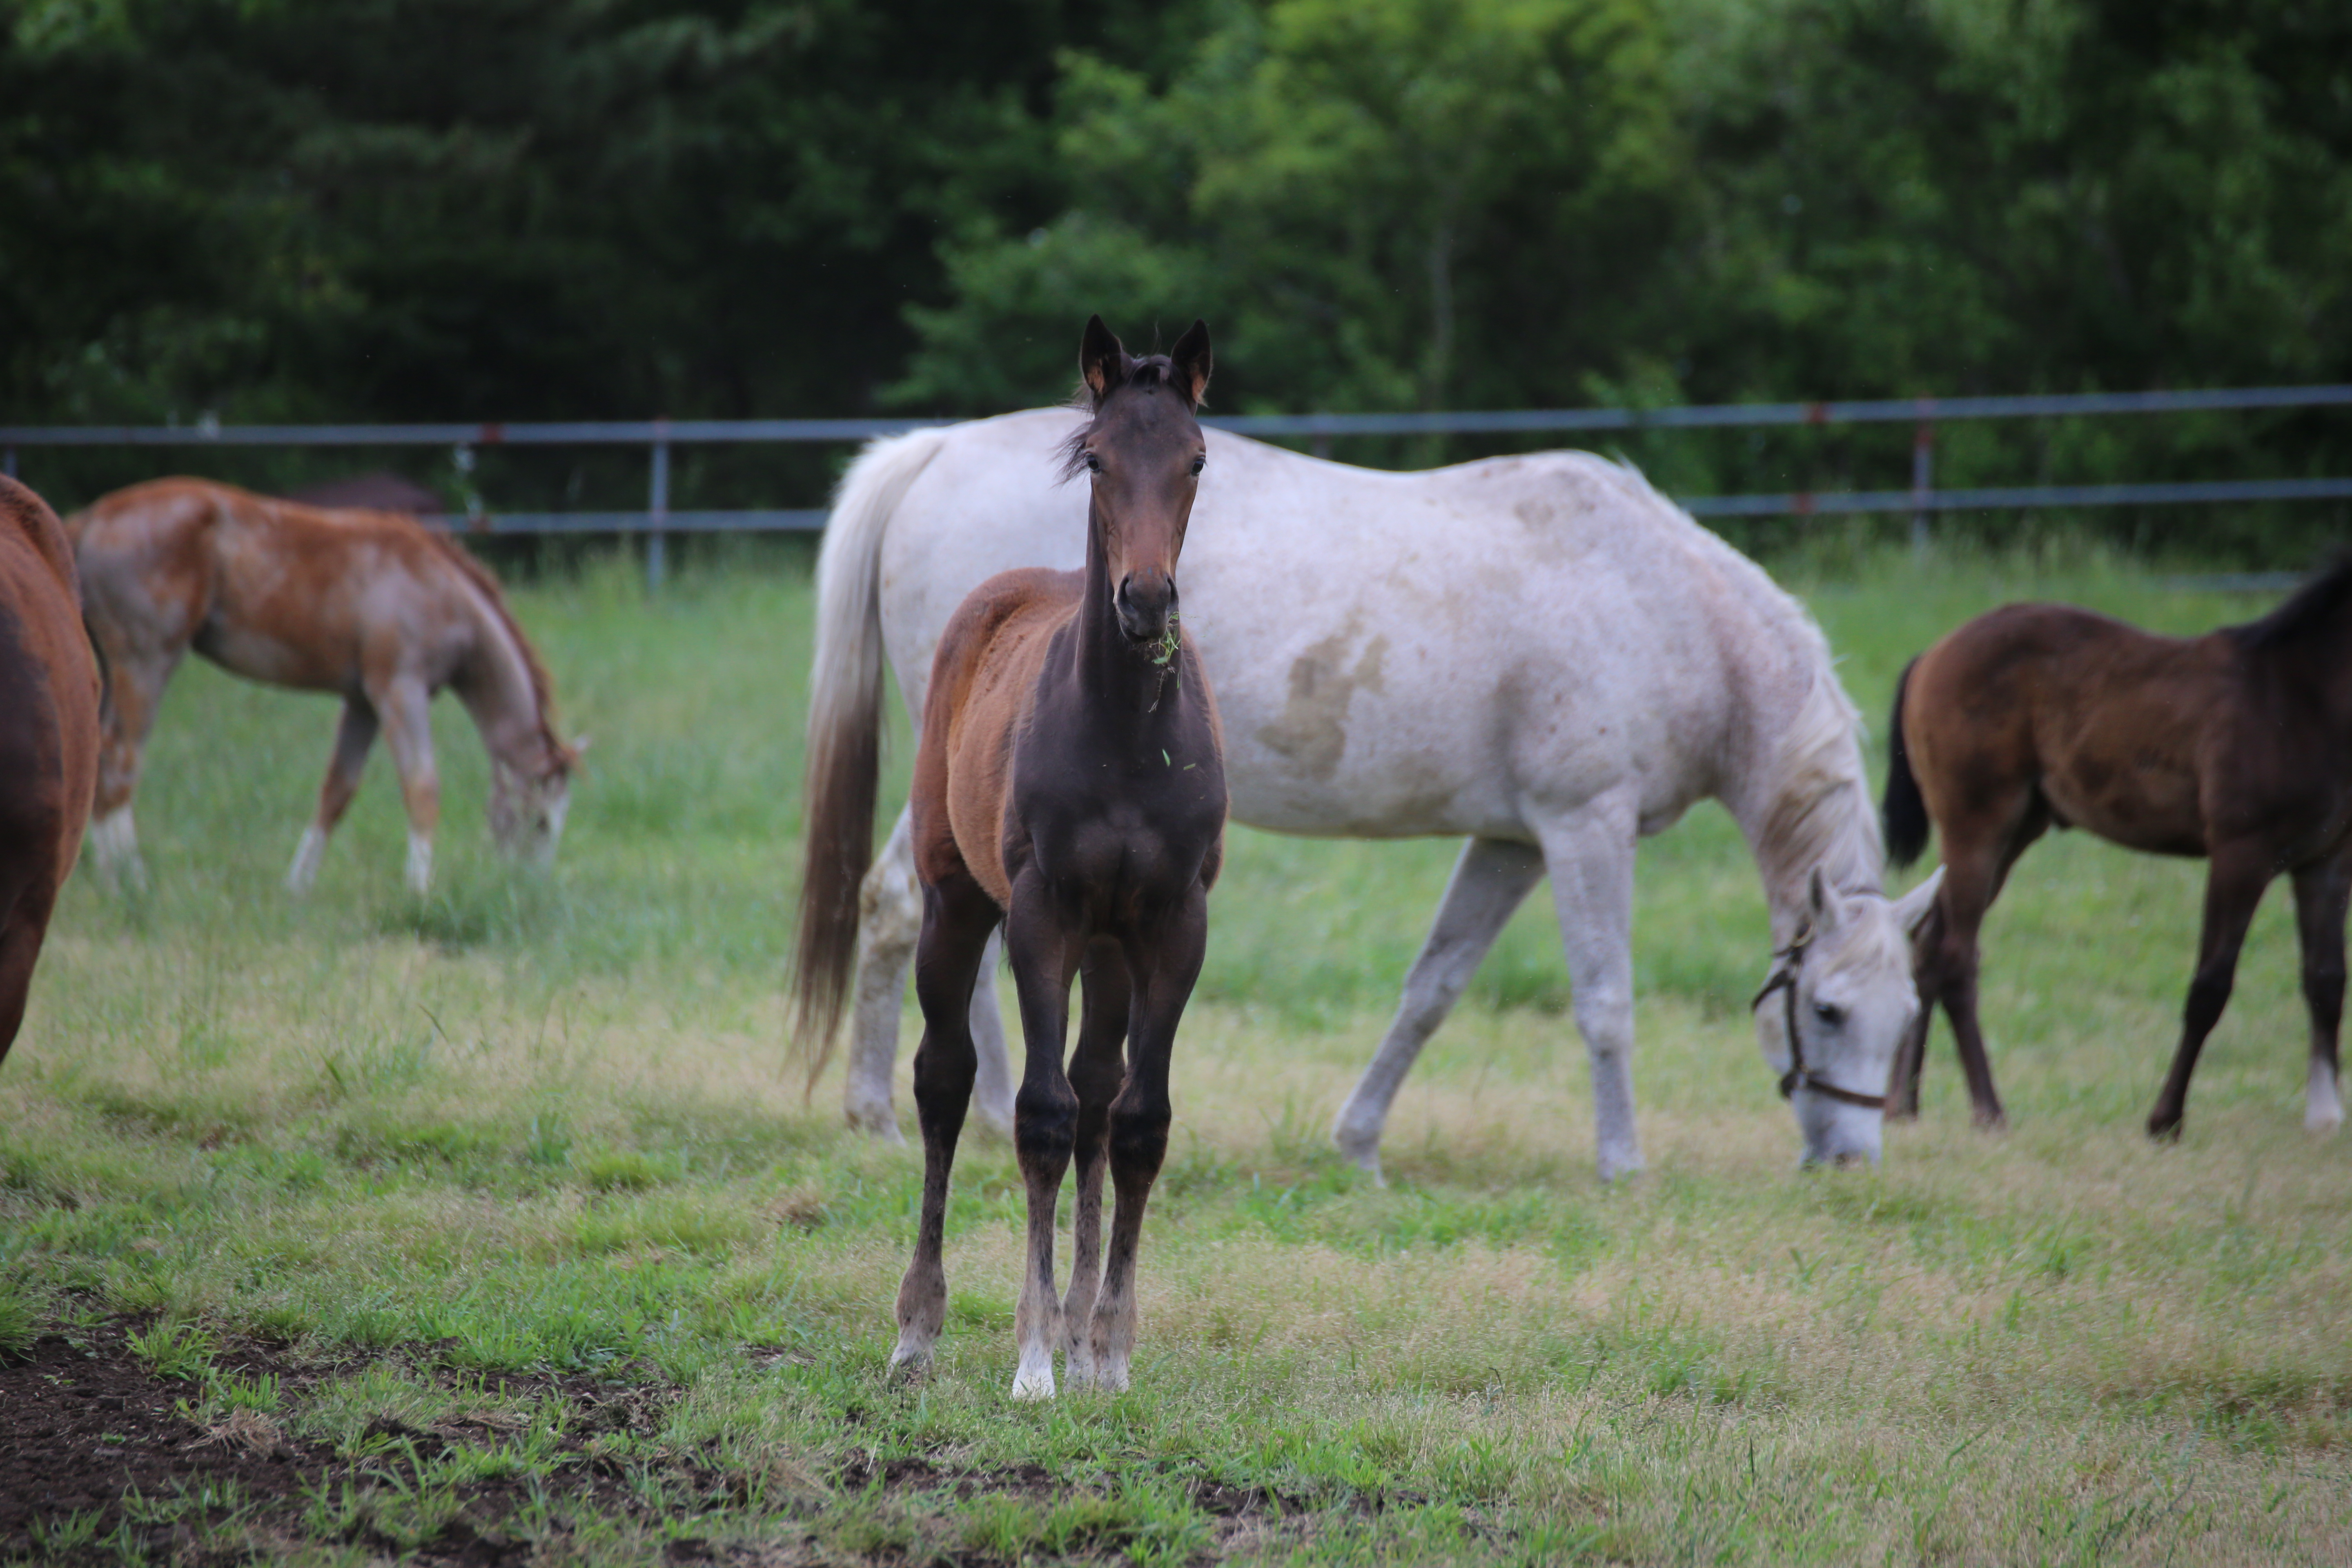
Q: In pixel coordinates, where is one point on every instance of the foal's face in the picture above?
(1143, 456)
(1854, 1001)
(527, 814)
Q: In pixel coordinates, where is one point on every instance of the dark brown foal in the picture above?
(1070, 785)
(2236, 746)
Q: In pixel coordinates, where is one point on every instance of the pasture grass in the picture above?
(522, 1165)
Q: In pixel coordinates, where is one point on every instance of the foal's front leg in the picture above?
(1045, 955)
(1098, 1072)
(1165, 967)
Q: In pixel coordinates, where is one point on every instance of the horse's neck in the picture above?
(1802, 798)
(1121, 688)
(494, 683)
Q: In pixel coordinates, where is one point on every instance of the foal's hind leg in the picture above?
(957, 919)
(136, 679)
(355, 733)
(2321, 892)
(1978, 855)
(2233, 886)
(1165, 966)
(1490, 880)
(1098, 1072)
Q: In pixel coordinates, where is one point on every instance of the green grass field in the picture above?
(483, 1164)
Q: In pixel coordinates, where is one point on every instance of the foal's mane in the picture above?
(542, 690)
(2323, 602)
(1154, 369)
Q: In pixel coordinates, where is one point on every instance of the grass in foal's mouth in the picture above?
(492, 1224)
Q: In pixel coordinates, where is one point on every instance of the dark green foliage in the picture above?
(486, 209)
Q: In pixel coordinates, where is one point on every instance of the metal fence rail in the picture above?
(658, 436)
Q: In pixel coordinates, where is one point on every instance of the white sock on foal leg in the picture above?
(114, 846)
(2323, 1110)
(420, 863)
(304, 873)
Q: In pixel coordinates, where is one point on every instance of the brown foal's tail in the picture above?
(1905, 809)
(845, 736)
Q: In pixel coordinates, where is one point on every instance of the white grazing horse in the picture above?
(1541, 653)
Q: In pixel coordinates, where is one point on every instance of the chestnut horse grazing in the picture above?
(2236, 746)
(49, 735)
(372, 606)
(1068, 785)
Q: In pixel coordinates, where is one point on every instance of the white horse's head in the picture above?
(528, 807)
(1833, 1012)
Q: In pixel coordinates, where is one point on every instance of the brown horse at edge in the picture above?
(372, 606)
(49, 735)
(2235, 746)
(1068, 785)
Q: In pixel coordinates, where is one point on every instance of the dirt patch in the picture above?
(98, 1453)
(101, 1459)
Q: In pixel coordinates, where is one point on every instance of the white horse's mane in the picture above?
(1816, 808)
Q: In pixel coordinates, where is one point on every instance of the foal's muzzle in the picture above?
(1146, 603)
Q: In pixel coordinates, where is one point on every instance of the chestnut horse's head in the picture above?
(1837, 1005)
(1143, 453)
(528, 806)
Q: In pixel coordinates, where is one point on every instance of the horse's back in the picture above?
(2116, 729)
(298, 595)
(984, 675)
(1402, 653)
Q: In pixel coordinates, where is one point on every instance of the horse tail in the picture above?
(1905, 808)
(844, 735)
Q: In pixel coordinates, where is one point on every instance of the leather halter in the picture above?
(1789, 960)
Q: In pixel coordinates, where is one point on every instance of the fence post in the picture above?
(1923, 459)
(657, 505)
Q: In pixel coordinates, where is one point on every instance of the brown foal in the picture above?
(49, 735)
(2235, 746)
(1070, 785)
(372, 606)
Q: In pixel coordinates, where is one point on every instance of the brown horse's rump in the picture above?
(49, 735)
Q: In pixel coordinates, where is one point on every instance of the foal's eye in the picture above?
(1829, 1013)
(1198, 464)
(1094, 464)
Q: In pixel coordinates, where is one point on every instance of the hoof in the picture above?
(1034, 1383)
(1994, 1121)
(1360, 1147)
(878, 1123)
(910, 1365)
(2163, 1129)
(2323, 1123)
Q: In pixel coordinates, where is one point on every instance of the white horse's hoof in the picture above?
(1359, 1146)
(1034, 1382)
(878, 1123)
(998, 1116)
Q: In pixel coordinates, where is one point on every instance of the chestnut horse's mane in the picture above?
(542, 690)
(2323, 601)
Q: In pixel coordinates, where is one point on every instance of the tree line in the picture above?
(509, 209)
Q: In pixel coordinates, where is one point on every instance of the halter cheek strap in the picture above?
(1789, 960)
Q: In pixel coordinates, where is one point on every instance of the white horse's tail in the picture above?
(844, 733)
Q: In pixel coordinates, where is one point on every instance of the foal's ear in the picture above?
(1102, 359)
(1192, 361)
